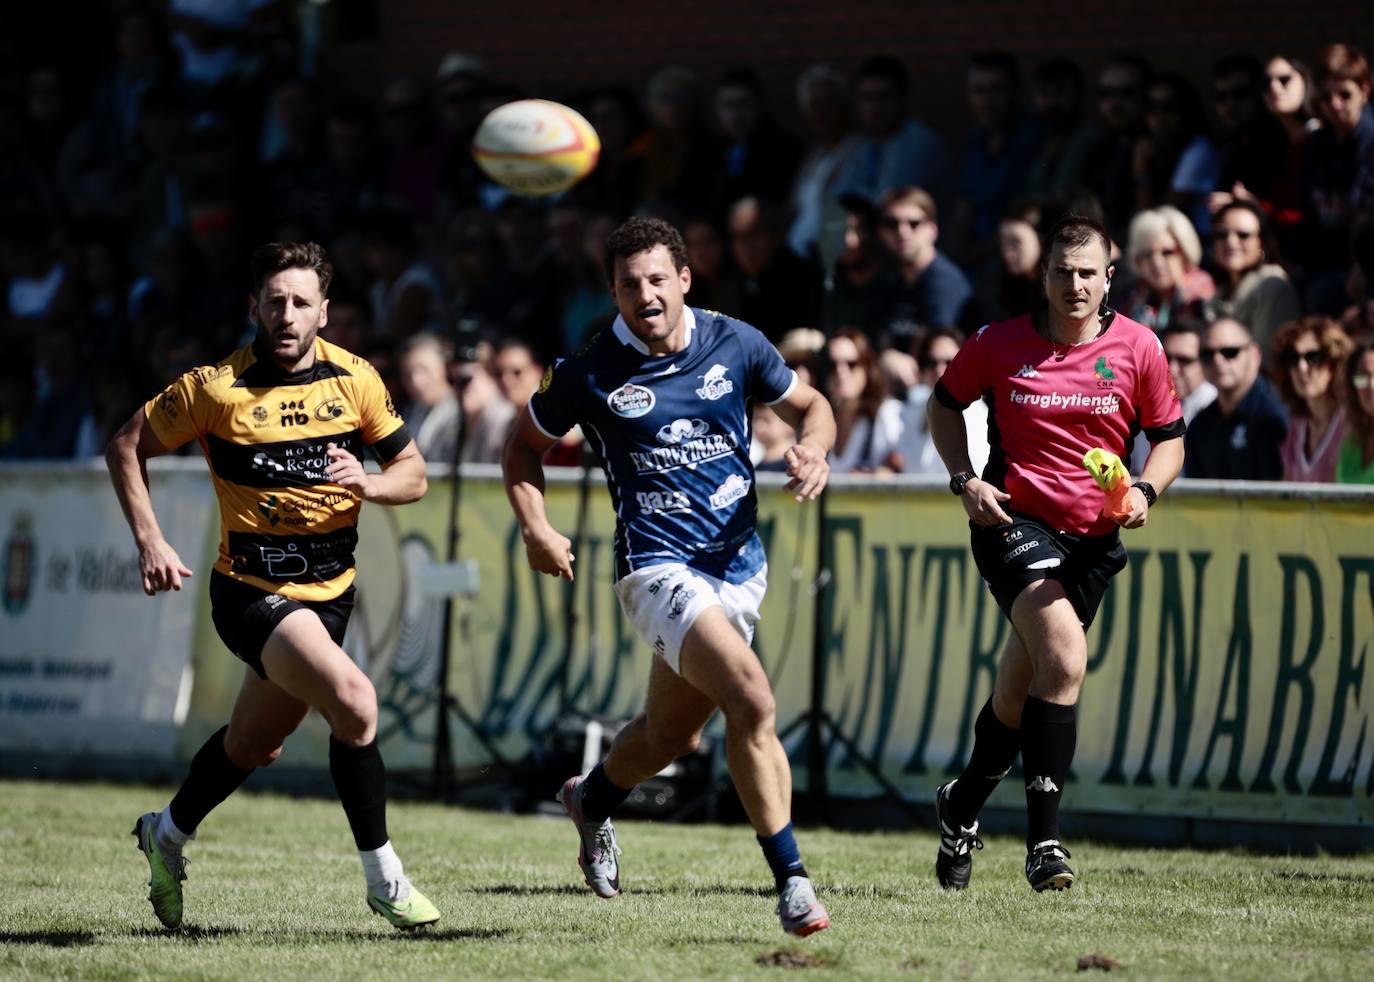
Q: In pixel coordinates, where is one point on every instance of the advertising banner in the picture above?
(1226, 668)
(88, 662)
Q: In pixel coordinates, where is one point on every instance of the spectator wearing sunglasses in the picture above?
(1164, 251)
(1182, 343)
(1255, 292)
(1250, 142)
(1356, 462)
(1238, 436)
(868, 422)
(1307, 364)
(924, 287)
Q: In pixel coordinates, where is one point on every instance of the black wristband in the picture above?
(1148, 490)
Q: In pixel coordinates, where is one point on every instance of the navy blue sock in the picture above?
(600, 798)
(784, 858)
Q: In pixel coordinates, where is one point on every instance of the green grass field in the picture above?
(276, 891)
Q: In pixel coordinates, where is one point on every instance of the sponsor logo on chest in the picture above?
(631, 401)
(688, 443)
(714, 384)
(734, 488)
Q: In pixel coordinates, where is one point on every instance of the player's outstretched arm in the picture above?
(126, 456)
(401, 481)
(522, 465)
(810, 415)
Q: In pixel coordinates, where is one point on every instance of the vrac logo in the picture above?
(714, 384)
(631, 401)
(293, 413)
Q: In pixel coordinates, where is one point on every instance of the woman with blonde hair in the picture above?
(1164, 251)
(1307, 368)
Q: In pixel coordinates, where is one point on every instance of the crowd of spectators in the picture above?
(864, 243)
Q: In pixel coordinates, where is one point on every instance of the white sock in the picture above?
(167, 834)
(385, 877)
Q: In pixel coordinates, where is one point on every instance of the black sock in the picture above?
(995, 746)
(360, 780)
(212, 778)
(1048, 734)
(600, 798)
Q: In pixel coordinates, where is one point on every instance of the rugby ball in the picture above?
(535, 147)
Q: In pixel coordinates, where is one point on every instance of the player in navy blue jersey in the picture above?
(664, 396)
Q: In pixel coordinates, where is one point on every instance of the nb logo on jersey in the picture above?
(293, 413)
(1042, 784)
(714, 384)
(1027, 371)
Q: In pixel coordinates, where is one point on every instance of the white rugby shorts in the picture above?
(663, 601)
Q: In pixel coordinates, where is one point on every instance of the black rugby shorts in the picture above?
(1012, 557)
(245, 616)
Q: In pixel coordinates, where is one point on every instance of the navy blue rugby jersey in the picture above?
(674, 433)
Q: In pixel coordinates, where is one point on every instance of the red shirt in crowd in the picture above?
(1049, 404)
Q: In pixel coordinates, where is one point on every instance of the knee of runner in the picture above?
(355, 718)
(1063, 670)
(753, 710)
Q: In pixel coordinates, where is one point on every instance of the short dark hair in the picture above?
(640, 235)
(1075, 231)
(273, 258)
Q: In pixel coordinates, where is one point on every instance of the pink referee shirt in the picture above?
(1049, 405)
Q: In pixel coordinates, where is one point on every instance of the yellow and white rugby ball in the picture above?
(535, 147)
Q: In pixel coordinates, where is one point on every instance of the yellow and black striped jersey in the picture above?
(284, 527)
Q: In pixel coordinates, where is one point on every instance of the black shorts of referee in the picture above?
(245, 616)
(1012, 557)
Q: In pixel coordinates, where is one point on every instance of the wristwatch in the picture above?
(1148, 490)
(957, 482)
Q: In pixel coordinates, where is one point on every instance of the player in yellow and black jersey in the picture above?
(283, 423)
(286, 526)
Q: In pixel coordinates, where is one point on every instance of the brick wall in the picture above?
(551, 46)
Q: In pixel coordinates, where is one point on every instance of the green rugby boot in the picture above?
(408, 914)
(166, 871)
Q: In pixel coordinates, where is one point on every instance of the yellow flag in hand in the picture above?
(1112, 477)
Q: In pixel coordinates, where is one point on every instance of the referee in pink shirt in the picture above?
(1072, 376)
